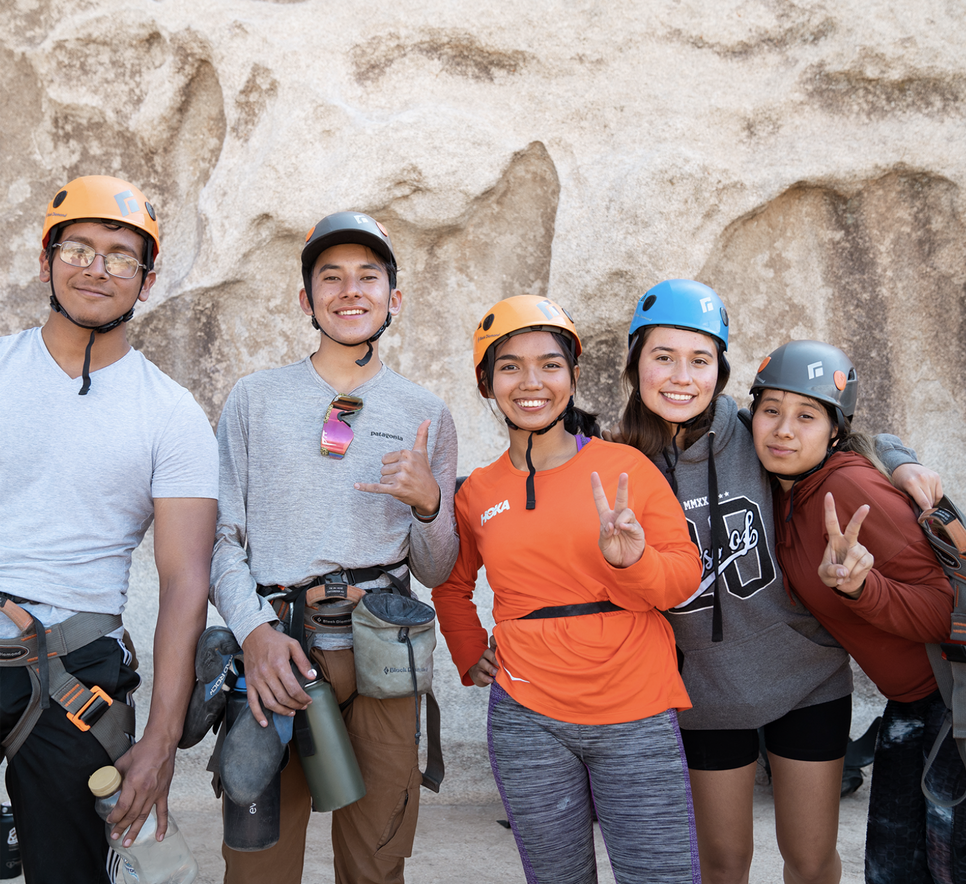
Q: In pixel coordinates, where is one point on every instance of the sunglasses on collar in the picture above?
(337, 435)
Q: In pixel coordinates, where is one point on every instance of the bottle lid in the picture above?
(105, 781)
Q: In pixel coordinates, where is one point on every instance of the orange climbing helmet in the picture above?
(514, 316)
(103, 198)
(100, 198)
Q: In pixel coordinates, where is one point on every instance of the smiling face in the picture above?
(792, 433)
(678, 370)
(350, 293)
(532, 380)
(90, 294)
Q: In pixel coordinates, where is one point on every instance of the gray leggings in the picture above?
(553, 775)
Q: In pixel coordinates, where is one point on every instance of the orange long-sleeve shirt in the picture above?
(590, 669)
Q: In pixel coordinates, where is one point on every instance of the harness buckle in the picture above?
(335, 588)
(90, 713)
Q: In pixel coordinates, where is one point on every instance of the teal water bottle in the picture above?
(332, 772)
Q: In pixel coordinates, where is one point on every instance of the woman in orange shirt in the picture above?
(582, 669)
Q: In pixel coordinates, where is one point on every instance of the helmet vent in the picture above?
(649, 302)
(724, 317)
(59, 198)
(150, 210)
(488, 322)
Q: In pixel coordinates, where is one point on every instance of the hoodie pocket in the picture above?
(747, 683)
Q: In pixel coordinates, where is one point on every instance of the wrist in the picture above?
(850, 595)
(427, 514)
(159, 737)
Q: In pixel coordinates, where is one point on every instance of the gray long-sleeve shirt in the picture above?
(286, 513)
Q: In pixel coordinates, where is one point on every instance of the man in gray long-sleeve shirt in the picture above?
(287, 515)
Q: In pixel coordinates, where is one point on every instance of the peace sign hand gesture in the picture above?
(846, 563)
(621, 535)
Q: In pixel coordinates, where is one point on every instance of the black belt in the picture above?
(571, 610)
(17, 600)
(295, 628)
(351, 576)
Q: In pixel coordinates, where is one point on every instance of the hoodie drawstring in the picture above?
(671, 467)
(716, 623)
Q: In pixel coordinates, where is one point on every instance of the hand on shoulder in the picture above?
(613, 434)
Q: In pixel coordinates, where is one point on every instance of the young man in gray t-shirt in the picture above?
(373, 497)
(95, 443)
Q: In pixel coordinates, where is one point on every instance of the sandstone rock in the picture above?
(805, 159)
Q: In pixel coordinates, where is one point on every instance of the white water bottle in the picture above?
(147, 860)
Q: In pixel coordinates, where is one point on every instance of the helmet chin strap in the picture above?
(365, 359)
(797, 478)
(57, 307)
(531, 493)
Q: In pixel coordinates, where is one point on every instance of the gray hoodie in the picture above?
(774, 656)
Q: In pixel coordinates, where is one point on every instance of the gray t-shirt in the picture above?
(287, 514)
(79, 474)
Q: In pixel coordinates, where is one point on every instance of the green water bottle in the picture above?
(332, 772)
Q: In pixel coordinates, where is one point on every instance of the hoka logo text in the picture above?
(493, 510)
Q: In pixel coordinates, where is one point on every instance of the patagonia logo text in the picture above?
(493, 510)
(386, 435)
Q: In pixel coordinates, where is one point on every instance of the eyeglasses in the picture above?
(336, 433)
(116, 263)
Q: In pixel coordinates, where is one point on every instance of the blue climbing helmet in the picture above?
(682, 303)
(691, 306)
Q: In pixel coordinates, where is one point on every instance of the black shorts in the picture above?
(815, 733)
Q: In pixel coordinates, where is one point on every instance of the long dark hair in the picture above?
(641, 427)
(576, 420)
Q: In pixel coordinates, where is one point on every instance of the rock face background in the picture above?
(804, 159)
